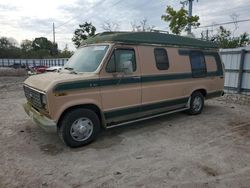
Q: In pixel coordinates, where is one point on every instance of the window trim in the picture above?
(156, 64)
(204, 60)
(112, 53)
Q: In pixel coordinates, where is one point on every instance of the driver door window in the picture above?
(117, 59)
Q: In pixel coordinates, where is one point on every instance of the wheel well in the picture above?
(86, 106)
(202, 91)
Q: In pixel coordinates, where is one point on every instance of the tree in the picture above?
(225, 39)
(179, 20)
(82, 33)
(26, 45)
(5, 43)
(110, 26)
(143, 26)
(38, 48)
(244, 39)
(42, 43)
(44, 47)
(234, 18)
(66, 53)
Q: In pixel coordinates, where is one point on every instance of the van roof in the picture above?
(149, 38)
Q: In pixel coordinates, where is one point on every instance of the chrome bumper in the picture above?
(42, 121)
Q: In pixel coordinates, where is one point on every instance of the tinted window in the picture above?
(118, 57)
(161, 58)
(198, 64)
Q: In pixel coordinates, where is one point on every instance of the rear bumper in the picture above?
(42, 121)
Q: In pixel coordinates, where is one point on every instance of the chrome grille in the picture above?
(33, 97)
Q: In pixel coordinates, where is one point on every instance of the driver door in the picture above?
(120, 90)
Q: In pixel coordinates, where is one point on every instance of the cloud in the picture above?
(28, 19)
(4, 7)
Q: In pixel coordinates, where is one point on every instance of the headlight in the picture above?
(44, 100)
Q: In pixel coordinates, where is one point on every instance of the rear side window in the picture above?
(198, 64)
(161, 59)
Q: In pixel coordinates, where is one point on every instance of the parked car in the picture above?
(53, 69)
(40, 69)
(37, 69)
(119, 78)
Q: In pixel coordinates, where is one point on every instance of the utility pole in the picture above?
(54, 39)
(207, 34)
(190, 11)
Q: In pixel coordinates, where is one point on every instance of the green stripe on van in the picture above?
(143, 108)
(126, 80)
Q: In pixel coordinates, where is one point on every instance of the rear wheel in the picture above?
(196, 103)
(79, 127)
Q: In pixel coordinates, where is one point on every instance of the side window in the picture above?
(198, 64)
(120, 56)
(161, 59)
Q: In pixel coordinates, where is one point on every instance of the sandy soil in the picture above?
(6, 71)
(208, 150)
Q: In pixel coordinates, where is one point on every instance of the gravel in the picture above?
(207, 150)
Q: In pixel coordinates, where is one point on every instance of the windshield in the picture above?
(86, 59)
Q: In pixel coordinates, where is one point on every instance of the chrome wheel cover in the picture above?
(81, 129)
(197, 104)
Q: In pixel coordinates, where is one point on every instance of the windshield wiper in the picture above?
(70, 69)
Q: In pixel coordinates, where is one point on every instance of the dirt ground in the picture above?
(208, 150)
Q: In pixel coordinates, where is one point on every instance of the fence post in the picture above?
(242, 60)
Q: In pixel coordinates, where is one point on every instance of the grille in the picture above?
(33, 97)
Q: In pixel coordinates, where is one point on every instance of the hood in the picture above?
(45, 81)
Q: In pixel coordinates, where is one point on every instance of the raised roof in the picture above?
(149, 38)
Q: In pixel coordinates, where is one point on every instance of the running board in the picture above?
(146, 118)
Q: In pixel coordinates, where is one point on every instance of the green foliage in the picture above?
(179, 19)
(5, 43)
(225, 40)
(82, 33)
(42, 43)
(38, 48)
(26, 45)
(66, 53)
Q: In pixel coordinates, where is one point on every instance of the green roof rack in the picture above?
(151, 38)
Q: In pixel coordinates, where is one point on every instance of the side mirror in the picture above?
(127, 67)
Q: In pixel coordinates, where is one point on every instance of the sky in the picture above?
(28, 19)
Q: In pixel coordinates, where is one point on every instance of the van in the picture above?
(118, 78)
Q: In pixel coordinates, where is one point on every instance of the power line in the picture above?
(234, 9)
(97, 4)
(223, 13)
(113, 5)
(225, 23)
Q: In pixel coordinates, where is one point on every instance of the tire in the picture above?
(196, 103)
(79, 127)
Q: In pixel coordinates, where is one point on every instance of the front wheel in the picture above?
(196, 103)
(79, 127)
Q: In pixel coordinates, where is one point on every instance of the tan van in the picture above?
(119, 78)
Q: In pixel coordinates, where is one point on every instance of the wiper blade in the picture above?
(70, 69)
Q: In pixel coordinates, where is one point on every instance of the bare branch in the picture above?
(110, 26)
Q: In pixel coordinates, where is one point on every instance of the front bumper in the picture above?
(42, 121)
